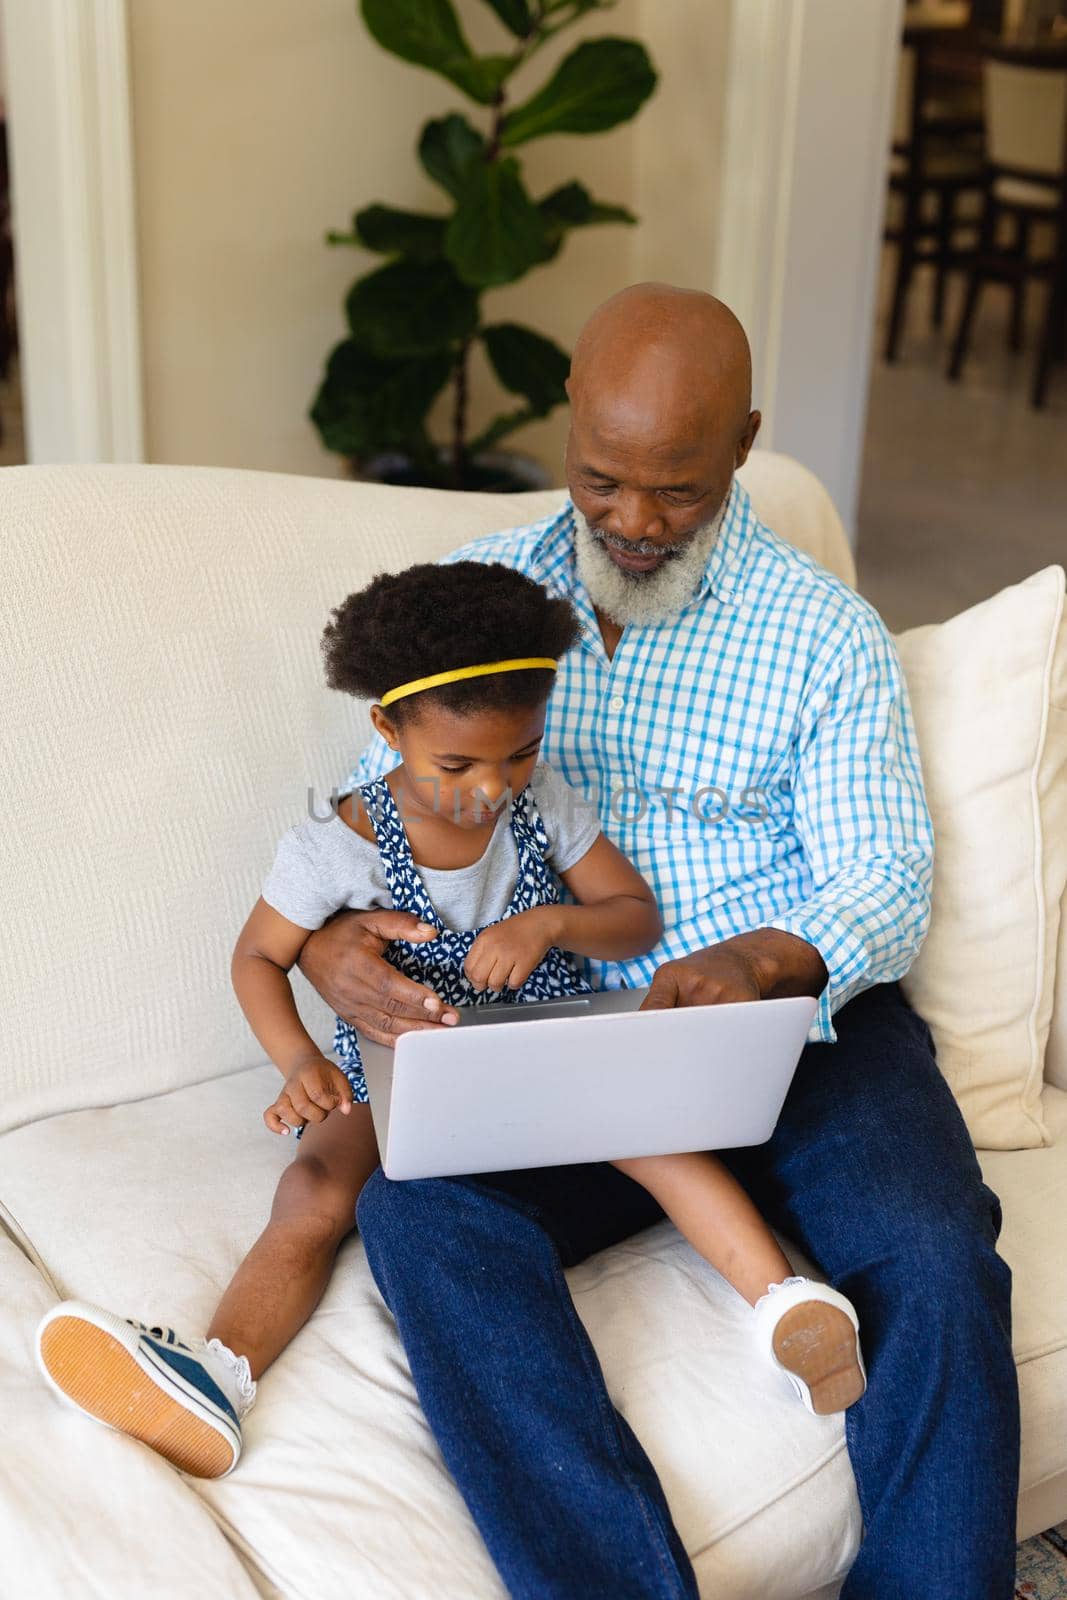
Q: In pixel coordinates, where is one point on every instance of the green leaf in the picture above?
(448, 149)
(580, 7)
(400, 233)
(482, 76)
(600, 84)
(497, 232)
(424, 31)
(572, 206)
(411, 308)
(514, 14)
(528, 364)
(427, 33)
(364, 404)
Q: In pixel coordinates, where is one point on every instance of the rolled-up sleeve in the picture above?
(861, 816)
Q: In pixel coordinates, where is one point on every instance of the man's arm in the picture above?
(861, 816)
(765, 964)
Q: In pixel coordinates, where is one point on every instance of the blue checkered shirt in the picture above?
(754, 756)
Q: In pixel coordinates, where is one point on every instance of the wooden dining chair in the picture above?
(1025, 185)
(935, 162)
(8, 328)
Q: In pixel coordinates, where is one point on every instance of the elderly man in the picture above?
(741, 716)
(715, 657)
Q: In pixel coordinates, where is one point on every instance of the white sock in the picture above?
(230, 1372)
(785, 1283)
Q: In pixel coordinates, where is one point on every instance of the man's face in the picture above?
(648, 490)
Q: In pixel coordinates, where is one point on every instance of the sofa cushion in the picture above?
(164, 718)
(985, 688)
(1056, 1055)
(1032, 1186)
(147, 1208)
(147, 1533)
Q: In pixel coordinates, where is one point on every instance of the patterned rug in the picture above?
(1041, 1568)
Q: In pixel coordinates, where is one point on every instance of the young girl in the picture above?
(472, 834)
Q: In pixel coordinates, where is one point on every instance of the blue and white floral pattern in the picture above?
(439, 962)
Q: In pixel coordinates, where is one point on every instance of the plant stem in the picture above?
(493, 148)
(492, 153)
(459, 416)
(533, 40)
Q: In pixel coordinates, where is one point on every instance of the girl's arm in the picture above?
(267, 946)
(617, 916)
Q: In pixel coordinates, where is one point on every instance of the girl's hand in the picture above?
(503, 956)
(312, 1090)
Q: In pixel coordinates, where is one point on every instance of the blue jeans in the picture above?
(872, 1173)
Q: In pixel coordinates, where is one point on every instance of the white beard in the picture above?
(643, 598)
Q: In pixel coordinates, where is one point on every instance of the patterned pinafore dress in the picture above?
(439, 962)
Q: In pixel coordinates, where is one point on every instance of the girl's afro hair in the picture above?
(430, 619)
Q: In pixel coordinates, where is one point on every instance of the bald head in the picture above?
(660, 392)
(664, 361)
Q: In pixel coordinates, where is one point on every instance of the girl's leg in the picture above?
(708, 1205)
(282, 1278)
(808, 1330)
(184, 1396)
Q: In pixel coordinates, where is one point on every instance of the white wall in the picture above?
(758, 171)
(72, 207)
(804, 181)
(260, 124)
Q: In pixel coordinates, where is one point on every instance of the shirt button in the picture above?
(616, 702)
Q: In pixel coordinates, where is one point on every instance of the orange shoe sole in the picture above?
(818, 1343)
(93, 1370)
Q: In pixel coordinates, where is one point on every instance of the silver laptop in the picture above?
(589, 1078)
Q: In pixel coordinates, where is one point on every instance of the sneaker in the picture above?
(183, 1398)
(811, 1333)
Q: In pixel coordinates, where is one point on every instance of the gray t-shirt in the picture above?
(322, 866)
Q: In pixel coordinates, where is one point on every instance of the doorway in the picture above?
(963, 483)
(12, 431)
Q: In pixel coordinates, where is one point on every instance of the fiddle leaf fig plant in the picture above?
(413, 322)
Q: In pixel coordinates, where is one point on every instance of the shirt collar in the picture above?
(725, 566)
(726, 563)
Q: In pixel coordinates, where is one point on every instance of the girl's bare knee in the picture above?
(312, 1197)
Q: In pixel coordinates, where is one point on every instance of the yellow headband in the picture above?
(418, 684)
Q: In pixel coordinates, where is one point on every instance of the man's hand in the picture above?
(504, 955)
(763, 965)
(312, 1090)
(343, 960)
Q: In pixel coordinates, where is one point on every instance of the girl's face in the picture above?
(460, 768)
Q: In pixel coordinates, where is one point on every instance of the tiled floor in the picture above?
(964, 486)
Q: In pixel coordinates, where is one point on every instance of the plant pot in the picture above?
(491, 472)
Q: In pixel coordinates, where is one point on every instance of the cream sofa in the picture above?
(163, 719)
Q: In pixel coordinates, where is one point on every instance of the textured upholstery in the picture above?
(989, 694)
(163, 719)
(1026, 117)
